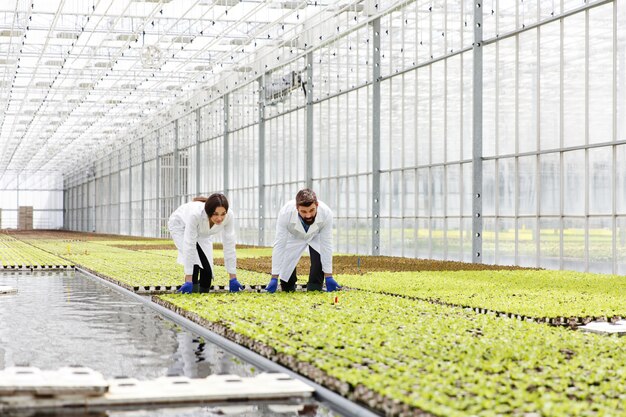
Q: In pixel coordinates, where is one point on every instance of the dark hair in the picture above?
(213, 202)
(305, 197)
(200, 199)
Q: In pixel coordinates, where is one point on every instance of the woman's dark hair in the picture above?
(213, 202)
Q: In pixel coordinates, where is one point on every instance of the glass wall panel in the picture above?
(453, 241)
(490, 103)
(506, 95)
(600, 179)
(601, 85)
(550, 184)
(527, 242)
(574, 243)
(489, 241)
(601, 244)
(453, 190)
(527, 185)
(453, 109)
(528, 91)
(620, 238)
(438, 238)
(550, 86)
(489, 188)
(507, 189)
(550, 229)
(573, 55)
(438, 109)
(466, 188)
(574, 183)
(620, 180)
(506, 241)
(467, 123)
(423, 115)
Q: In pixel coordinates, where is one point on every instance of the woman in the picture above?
(192, 227)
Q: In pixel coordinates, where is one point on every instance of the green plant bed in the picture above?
(538, 294)
(400, 356)
(134, 268)
(218, 253)
(16, 253)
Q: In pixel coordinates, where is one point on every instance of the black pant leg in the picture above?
(316, 274)
(206, 273)
(289, 286)
(196, 272)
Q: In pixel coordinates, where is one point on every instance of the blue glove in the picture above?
(331, 284)
(186, 288)
(272, 286)
(234, 285)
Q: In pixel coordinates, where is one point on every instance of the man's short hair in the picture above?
(305, 197)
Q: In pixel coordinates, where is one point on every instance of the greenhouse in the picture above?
(313, 208)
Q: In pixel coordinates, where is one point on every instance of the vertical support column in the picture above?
(376, 138)
(143, 186)
(616, 106)
(177, 196)
(130, 190)
(477, 140)
(109, 228)
(158, 184)
(226, 147)
(95, 199)
(87, 187)
(261, 81)
(198, 159)
(309, 119)
(119, 192)
(65, 206)
(587, 182)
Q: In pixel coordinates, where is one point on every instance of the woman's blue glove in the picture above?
(186, 288)
(272, 286)
(331, 284)
(234, 285)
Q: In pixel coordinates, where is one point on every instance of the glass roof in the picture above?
(78, 76)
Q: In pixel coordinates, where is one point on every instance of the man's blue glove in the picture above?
(272, 286)
(186, 288)
(331, 284)
(234, 285)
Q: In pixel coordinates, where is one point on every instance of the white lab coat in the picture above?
(291, 239)
(189, 225)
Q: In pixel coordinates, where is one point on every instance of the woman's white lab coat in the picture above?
(291, 239)
(189, 225)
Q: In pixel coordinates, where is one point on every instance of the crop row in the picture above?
(134, 268)
(14, 253)
(401, 356)
(538, 294)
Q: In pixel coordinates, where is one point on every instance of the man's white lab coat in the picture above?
(189, 225)
(291, 239)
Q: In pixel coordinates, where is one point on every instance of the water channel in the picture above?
(65, 318)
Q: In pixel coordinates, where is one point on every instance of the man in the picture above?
(303, 222)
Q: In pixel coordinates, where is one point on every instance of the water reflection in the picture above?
(63, 318)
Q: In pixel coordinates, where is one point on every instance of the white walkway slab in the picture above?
(602, 327)
(27, 388)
